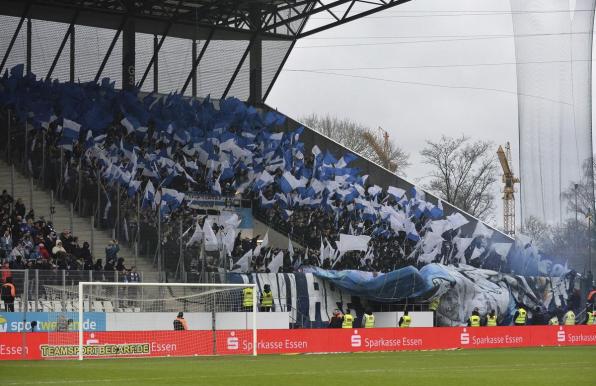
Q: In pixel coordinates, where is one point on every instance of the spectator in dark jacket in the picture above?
(336, 319)
(538, 317)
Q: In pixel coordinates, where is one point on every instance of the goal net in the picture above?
(127, 320)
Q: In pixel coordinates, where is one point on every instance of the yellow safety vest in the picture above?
(369, 321)
(407, 320)
(267, 299)
(521, 316)
(592, 317)
(434, 304)
(474, 321)
(569, 318)
(554, 321)
(247, 300)
(491, 321)
(348, 320)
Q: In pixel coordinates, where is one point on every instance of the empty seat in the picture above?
(56, 306)
(108, 307)
(45, 306)
(97, 306)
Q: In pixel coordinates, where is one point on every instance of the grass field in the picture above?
(503, 367)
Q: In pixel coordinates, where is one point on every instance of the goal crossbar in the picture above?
(81, 297)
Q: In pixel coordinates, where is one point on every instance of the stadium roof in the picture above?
(274, 19)
(239, 47)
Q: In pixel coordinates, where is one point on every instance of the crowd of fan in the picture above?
(30, 242)
(129, 155)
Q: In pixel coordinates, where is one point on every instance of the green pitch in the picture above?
(502, 367)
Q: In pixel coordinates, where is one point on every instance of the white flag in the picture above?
(210, 238)
(244, 262)
(353, 243)
(276, 263)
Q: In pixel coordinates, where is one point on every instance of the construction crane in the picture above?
(509, 180)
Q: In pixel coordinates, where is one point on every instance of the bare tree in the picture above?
(385, 152)
(538, 231)
(373, 145)
(463, 173)
(580, 194)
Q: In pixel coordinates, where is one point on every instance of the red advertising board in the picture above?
(15, 346)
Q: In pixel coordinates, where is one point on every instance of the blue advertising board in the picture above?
(48, 321)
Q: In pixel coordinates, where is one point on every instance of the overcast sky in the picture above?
(401, 101)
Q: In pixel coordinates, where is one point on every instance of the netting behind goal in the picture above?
(141, 320)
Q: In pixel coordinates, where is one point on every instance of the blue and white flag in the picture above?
(148, 196)
(133, 187)
(130, 123)
(172, 197)
(396, 192)
(70, 129)
(287, 182)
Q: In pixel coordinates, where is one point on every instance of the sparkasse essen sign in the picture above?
(113, 344)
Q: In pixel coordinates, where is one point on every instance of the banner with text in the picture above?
(27, 345)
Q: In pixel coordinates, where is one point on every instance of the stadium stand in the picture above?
(156, 148)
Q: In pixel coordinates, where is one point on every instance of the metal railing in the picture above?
(34, 286)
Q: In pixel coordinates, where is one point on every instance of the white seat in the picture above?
(46, 306)
(98, 306)
(56, 306)
(108, 307)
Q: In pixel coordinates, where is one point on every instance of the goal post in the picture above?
(141, 319)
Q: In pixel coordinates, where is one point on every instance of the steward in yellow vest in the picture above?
(348, 320)
(491, 319)
(434, 306)
(591, 318)
(405, 320)
(569, 318)
(266, 299)
(368, 320)
(519, 319)
(247, 299)
(474, 320)
(554, 321)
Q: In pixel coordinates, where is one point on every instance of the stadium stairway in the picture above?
(82, 227)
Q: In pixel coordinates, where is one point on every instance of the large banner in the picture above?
(16, 346)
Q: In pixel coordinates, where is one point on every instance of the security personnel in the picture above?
(591, 318)
(569, 318)
(491, 319)
(434, 306)
(405, 320)
(519, 319)
(348, 320)
(180, 323)
(368, 320)
(247, 299)
(8, 294)
(474, 320)
(554, 321)
(266, 299)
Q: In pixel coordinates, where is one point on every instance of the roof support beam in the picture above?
(29, 35)
(14, 37)
(128, 55)
(153, 60)
(198, 60)
(347, 19)
(110, 49)
(238, 67)
(61, 48)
